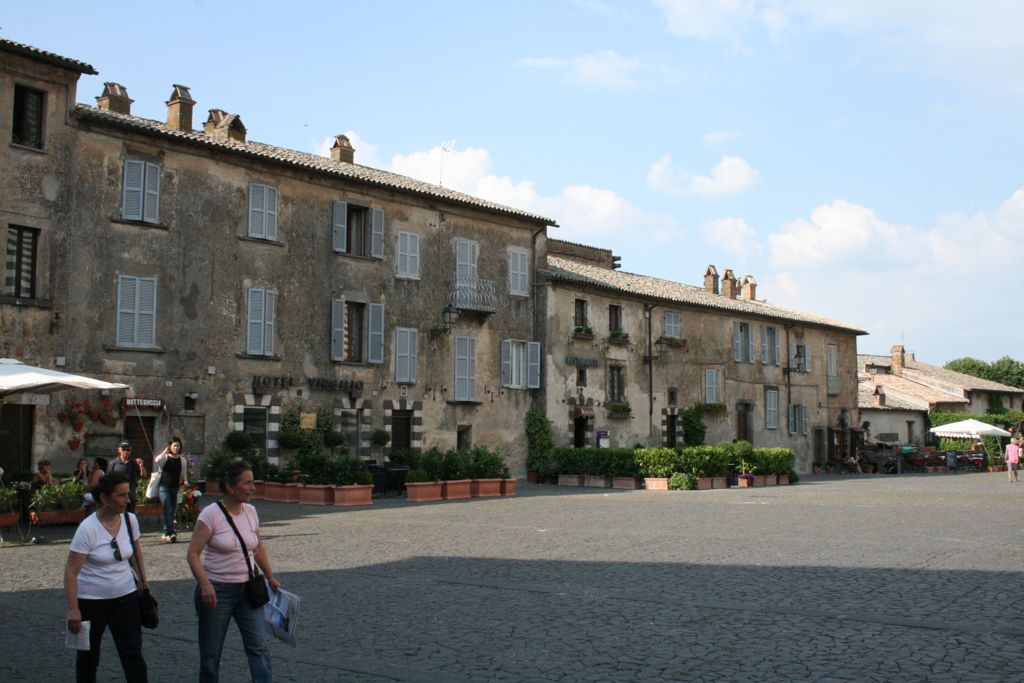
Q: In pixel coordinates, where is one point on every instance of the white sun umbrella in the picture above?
(16, 378)
(968, 429)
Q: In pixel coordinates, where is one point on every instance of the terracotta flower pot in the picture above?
(508, 487)
(292, 492)
(596, 481)
(705, 483)
(625, 483)
(9, 518)
(744, 483)
(353, 494)
(570, 480)
(485, 488)
(274, 491)
(455, 489)
(422, 491)
(656, 483)
(316, 494)
(261, 488)
(60, 516)
(783, 479)
(719, 483)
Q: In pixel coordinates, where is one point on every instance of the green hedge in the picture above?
(699, 461)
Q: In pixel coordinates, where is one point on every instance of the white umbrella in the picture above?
(16, 377)
(968, 429)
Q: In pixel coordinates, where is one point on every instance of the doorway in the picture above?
(579, 432)
(139, 432)
(743, 421)
(671, 430)
(16, 437)
(401, 429)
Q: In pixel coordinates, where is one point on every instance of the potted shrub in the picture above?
(570, 466)
(682, 481)
(485, 470)
(623, 469)
(745, 481)
(58, 504)
(655, 465)
(380, 438)
(508, 484)
(455, 475)
(420, 487)
(146, 507)
(539, 444)
(275, 482)
(10, 509)
(354, 485)
(320, 473)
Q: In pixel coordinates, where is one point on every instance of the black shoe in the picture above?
(174, 538)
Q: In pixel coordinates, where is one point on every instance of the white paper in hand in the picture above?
(77, 641)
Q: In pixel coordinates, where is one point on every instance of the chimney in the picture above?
(224, 126)
(897, 353)
(730, 287)
(115, 98)
(179, 109)
(748, 288)
(342, 151)
(711, 280)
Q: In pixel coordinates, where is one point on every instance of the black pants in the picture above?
(122, 615)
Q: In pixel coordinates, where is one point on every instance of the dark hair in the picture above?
(231, 473)
(107, 484)
(39, 465)
(101, 463)
(176, 440)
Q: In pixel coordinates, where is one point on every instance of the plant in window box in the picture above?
(618, 337)
(677, 342)
(713, 409)
(583, 332)
(621, 409)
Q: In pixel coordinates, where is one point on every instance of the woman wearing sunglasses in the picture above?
(99, 585)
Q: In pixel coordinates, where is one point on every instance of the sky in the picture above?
(860, 158)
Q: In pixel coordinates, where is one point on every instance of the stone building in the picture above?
(627, 354)
(228, 280)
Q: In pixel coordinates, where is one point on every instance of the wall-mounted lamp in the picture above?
(449, 316)
(659, 350)
(54, 322)
(798, 359)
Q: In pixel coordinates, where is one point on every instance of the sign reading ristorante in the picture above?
(324, 383)
(581, 360)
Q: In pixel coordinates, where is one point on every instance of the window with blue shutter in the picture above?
(465, 260)
(405, 354)
(375, 334)
(518, 271)
(261, 305)
(140, 199)
(742, 342)
(262, 211)
(377, 239)
(533, 365)
(151, 199)
(408, 254)
(339, 227)
(711, 386)
(269, 321)
(136, 311)
(673, 324)
(337, 329)
(357, 230)
(771, 408)
(506, 362)
(465, 368)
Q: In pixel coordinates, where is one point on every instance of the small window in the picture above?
(771, 408)
(616, 384)
(262, 305)
(359, 231)
(355, 331)
(465, 368)
(29, 110)
(141, 191)
(254, 423)
(136, 311)
(20, 269)
(673, 326)
(580, 318)
(832, 369)
(614, 318)
(742, 342)
(673, 396)
(581, 375)
(405, 354)
(798, 419)
(262, 211)
(520, 364)
(771, 350)
(711, 386)
(408, 254)
(519, 271)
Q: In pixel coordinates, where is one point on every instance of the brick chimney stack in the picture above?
(179, 109)
(115, 98)
(898, 355)
(224, 126)
(748, 288)
(711, 280)
(730, 287)
(342, 151)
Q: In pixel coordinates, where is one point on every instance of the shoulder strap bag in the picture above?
(256, 587)
(149, 613)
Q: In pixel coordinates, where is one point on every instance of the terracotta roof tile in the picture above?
(44, 56)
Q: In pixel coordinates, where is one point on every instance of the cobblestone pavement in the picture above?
(872, 578)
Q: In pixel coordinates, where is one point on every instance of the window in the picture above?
(798, 419)
(711, 386)
(20, 271)
(136, 311)
(673, 396)
(581, 313)
(405, 354)
(408, 254)
(29, 107)
(262, 211)
(254, 423)
(771, 408)
(465, 368)
(581, 375)
(520, 364)
(799, 358)
(140, 199)
(616, 384)
(742, 343)
(357, 332)
(832, 369)
(359, 231)
(771, 350)
(465, 260)
(614, 318)
(519, 271)
(673, 326)
(262, 319)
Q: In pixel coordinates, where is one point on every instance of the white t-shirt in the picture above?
(222, 558)
(103, 577)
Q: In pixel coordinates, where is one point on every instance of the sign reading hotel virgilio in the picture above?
(288, 382)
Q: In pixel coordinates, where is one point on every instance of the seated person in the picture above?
(42, 477)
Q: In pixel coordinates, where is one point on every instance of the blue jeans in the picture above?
(169, 499)
(213, 627)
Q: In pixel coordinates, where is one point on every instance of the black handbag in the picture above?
(256, 587)
(149, 608)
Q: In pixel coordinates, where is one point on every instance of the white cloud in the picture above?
(606, 69)
(732, 235)
(732, 175)
(719, 136)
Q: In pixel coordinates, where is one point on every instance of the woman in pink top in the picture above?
(1012, 459)
(221, 567)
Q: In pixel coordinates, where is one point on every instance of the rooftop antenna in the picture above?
(446, 148)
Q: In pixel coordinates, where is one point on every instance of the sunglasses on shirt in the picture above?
(117, 550)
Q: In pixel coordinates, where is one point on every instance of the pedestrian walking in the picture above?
(99, 585)
(172, 472)
(225, 546)
(1012, 459)
(133, 469)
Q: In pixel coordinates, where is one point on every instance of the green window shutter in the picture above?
(151, 205)
(257, 210)
(339, 226)
(337, 329)
(134, 178)
(127, 288)
(377, 238)
(254, 336)
(533, 365)
(375, 334)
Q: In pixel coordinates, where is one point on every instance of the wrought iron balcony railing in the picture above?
(472, 294)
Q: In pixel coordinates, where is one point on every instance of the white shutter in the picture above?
(750, 343)
(413, 354)
(254, 336)
(271, 215)
(764, 344)
(126, 307)
(506, 362)
(533, 365)
(145, 319)
(737, 349)
(462, 368)
(375, 334)
(778, 347)
(339, 226)
(792, 419)
(771, 409)
(257, 204)
(401, 354)
(337, 329)
(377, 239)
(151, 205)
(269, 321)
(414, 254)
(403, 253)
(803, 420)
(465, 260)
(131, 202)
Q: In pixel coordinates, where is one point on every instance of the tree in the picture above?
(970, 366)
(1008, 371)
